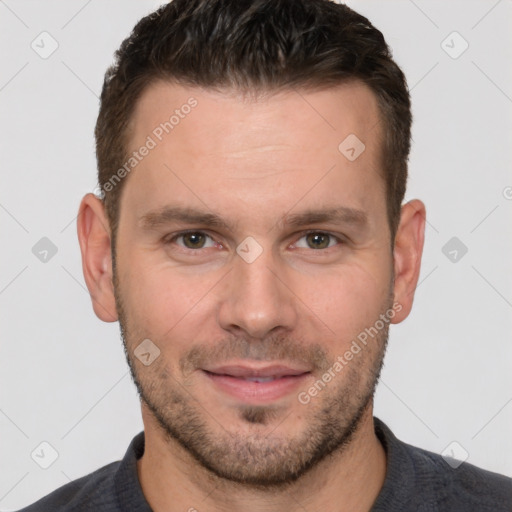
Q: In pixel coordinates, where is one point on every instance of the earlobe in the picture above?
(407, 254)
(94, 238)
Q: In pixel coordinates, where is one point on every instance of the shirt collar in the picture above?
(394, 493)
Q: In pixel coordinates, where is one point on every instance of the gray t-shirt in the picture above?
(416, 481)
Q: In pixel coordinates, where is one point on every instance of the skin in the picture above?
(255, 163)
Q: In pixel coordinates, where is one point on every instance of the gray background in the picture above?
(63, 377)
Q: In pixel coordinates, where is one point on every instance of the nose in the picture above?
(256, 298)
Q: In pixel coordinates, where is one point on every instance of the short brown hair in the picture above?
(253, 45)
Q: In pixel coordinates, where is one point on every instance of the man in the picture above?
(251, 240)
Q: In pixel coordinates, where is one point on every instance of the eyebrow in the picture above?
(339, 215)
(187, 215)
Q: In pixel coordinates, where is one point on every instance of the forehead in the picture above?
(302, 114)
(221, 146)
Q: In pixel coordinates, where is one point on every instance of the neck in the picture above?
(349, 479)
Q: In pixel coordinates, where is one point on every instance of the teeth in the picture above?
(259, 379)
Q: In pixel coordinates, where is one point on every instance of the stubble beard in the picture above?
(263, 459)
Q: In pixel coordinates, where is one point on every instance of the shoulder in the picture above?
(112, 488)
(94, 491)
(428, 481)
(465, 484)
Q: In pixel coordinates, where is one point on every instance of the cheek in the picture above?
(160, 299)
(346, 300)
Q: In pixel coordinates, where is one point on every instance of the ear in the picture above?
(94, 238)
(407, 253)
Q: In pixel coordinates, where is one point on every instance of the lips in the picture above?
(255, 373)
(252, 384)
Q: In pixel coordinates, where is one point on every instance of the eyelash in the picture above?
(172, 239)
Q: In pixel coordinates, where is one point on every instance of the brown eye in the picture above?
(194, 240)
(318, 240)
(191, 242)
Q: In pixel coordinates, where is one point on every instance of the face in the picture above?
(250, 246)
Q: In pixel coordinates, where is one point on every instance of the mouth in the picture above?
(256, 385)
